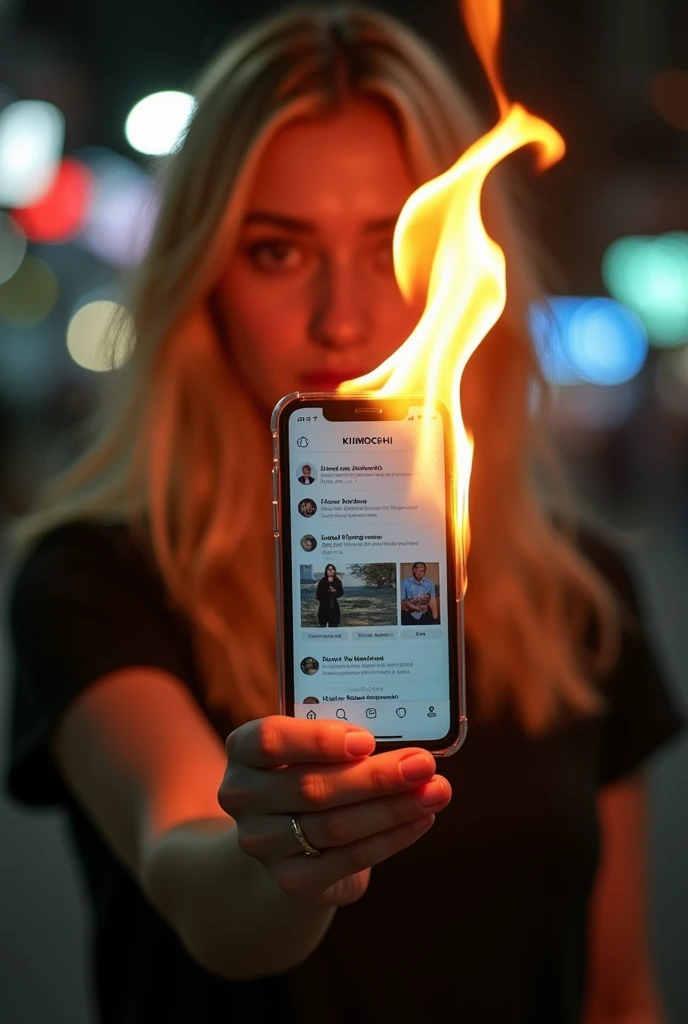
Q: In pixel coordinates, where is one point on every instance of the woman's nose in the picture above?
(341, 318)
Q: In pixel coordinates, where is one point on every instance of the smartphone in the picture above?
(369, 618)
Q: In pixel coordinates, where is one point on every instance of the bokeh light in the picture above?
(61, 212)
(31, 141)
(156, 124)
(123, 208)
(650, 274)
(87, 332)
(29, 295)
(12, 247)
(669, 95)
(597, 340)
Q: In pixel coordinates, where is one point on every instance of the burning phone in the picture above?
(370, 618)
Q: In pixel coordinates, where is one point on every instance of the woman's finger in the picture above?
(296, 789)
(270, 836)
(278, 739)
(308, 876)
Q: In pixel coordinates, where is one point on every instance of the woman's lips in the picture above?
(327, 381)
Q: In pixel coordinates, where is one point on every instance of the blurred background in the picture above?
(92, 95)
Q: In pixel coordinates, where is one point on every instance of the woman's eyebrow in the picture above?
(307, 227)
(281, 221)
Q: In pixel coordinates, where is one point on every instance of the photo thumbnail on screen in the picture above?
(354, 594)
(419, 593)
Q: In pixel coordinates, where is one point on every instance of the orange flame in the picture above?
(440, 244)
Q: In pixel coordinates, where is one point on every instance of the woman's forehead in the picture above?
(350, 164)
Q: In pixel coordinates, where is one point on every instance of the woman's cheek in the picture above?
(265, 337)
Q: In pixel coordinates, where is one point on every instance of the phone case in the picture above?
(278, 412)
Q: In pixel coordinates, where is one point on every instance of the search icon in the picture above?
(341, 713)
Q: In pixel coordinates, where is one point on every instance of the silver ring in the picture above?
(308, 850)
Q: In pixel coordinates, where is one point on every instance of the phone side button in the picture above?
(275, 518)
(275, 484)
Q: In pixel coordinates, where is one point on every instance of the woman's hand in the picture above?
(357, 809)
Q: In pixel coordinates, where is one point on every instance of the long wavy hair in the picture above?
(176, 423)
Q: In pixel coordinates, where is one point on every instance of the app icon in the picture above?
(371, 712)
(431, 712)
(311, 714)
(302, 442)
(341, 713)
(401, 712)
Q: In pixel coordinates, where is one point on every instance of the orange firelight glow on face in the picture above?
(441, 246)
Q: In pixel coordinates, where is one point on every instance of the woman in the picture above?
(327, 592)
(270, 271)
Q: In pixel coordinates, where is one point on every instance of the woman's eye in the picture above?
(383, 256)
(276, 255)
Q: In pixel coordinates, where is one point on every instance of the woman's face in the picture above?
(309, 298)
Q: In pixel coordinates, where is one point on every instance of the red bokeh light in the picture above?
(60, 214)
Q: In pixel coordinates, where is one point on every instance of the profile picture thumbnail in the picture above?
(307, 507)
(419, 593)
(308, 542)
(309, 666)
(306, 474)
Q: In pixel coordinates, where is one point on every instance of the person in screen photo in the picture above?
(308, 542)
(306, 477)
(143, 701)
(327, 592)
(418, 600)
(307, 507)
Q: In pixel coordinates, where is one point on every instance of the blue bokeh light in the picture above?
(597, 340)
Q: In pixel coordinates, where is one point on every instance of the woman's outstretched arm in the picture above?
(145, 764)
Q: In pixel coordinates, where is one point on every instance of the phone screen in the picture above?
(368, 594)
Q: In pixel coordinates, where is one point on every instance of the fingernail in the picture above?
(434, 793)
(417, 766)
(422, 823)
(359, 743)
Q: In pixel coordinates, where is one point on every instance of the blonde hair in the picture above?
(177, 425)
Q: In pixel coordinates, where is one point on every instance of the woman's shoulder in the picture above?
(75, 543)
(614, 557)
(100, 562)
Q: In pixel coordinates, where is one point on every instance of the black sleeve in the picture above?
(80, 605)
(320, 591)
(643, 712)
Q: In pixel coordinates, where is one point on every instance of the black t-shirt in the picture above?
(483, 919)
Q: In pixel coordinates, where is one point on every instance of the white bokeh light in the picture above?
(86, 334)
(31, 142)
(156, 123)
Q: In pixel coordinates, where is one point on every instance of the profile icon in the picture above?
(308, 542)
(307, 507)
(306, 474)
(309, 666)
(311, 700)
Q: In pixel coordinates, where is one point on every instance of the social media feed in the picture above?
(369, 579)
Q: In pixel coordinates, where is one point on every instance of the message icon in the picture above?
(371, 712)
(401, 712)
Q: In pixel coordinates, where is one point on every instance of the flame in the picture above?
(441, 246)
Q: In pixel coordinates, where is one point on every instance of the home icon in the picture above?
(311, 714)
